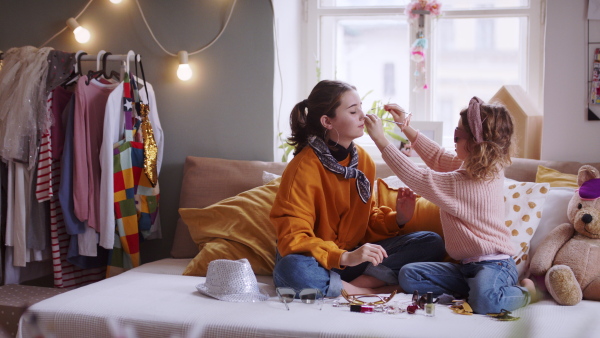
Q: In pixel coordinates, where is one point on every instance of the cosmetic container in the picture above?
(429, 306)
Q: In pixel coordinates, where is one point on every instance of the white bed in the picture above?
(155, 300)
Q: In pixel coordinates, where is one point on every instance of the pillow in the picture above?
(209, 180)
(426, 216)
(523, 211)
(234, 228)
(555, 178)
(268, 177)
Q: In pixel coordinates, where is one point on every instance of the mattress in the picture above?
(155, 300)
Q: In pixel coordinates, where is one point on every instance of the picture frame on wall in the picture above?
(432, 129)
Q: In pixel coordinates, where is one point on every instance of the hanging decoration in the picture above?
(416, 10)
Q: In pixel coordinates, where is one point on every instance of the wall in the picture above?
(567, 135)
(225, 111)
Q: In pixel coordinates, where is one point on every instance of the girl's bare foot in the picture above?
(530, 286)
(356, 289)
(405, 205)
(365, 281)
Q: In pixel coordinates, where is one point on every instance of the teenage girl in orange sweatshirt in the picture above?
(330, 233)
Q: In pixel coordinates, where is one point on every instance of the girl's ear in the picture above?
(326, 122)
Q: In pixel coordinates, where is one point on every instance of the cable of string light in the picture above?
(150, 30)
(62, 30)
(192, 53)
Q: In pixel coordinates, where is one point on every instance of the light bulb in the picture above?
(184, 71)
(82, 35)
(116, 1)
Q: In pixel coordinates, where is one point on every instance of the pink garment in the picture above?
(90, 104)
(472, 212)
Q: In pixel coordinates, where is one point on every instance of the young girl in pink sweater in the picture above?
(467, 187)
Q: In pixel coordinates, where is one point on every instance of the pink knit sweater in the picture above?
(471, 211)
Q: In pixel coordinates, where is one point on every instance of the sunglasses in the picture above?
(308, 296)
(460, 134)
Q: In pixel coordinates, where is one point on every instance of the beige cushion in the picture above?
(524, 170)
(210, 180)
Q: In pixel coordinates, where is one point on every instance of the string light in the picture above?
(184, 71)
(180, 55)
(82, 35)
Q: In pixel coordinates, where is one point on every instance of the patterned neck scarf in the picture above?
(330, 163)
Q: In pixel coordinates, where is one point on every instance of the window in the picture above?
(474, 48)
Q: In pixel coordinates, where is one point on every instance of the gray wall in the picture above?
(225, 111)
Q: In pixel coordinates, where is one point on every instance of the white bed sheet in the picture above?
(155, 300)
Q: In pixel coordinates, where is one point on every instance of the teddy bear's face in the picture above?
(585, 216)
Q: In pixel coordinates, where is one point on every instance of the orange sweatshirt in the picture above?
(319, 213)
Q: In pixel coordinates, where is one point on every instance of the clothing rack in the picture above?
(125, 58)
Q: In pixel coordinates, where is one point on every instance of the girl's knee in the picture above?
(408, 277)
(435, 242)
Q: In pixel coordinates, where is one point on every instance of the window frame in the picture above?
(421, 102)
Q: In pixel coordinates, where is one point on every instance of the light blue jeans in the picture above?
(489, 286)
(299, 271)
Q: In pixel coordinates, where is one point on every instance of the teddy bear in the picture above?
(569, 257)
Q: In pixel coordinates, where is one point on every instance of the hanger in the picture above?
(140, 80)
(129, 54)
(76, 70)
(99, 71)
(113, 74)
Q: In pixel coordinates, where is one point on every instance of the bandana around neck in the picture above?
(330, 163)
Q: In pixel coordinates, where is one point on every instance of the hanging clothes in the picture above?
(23, 114)
(90, 104)
(70, 269)
(114, 126)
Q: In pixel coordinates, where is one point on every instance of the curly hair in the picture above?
(323, 100)
(487, 158)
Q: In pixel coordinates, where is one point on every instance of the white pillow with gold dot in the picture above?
(523, 202)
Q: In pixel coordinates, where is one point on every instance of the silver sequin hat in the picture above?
(232, 281)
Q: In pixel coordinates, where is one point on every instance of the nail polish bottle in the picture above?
(429, 306)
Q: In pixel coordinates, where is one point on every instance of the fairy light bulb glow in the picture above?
(82, 35)
(184, 71)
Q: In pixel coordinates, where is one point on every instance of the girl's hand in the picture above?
(401, 116)
(366, 253)
(405, 205)
(375, 130)
(398, 113)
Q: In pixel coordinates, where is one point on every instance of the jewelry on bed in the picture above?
(356, 299)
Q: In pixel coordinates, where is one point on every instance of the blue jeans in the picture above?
(489, 286)
(300, 271)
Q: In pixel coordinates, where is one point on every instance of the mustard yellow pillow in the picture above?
(425, 218)
(220, 248)
(234, 228)
(555, 178)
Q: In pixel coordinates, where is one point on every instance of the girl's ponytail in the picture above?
(299, 126)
